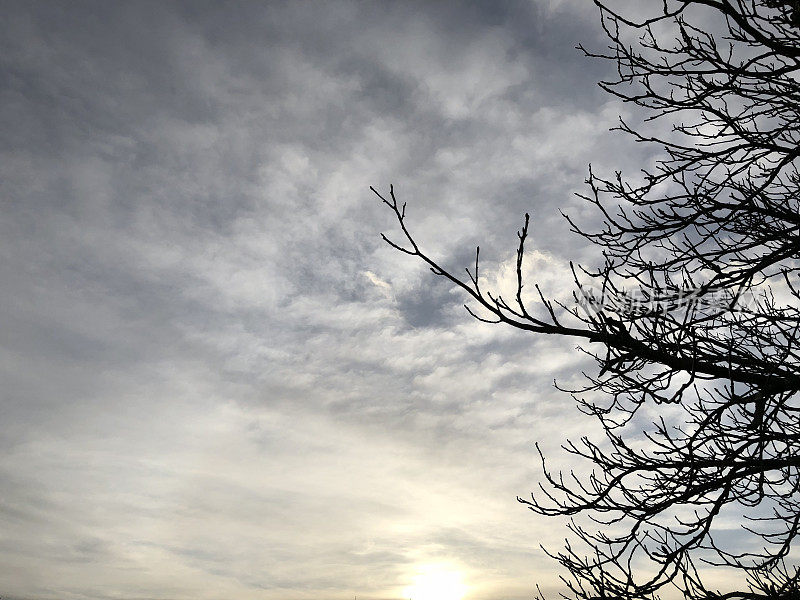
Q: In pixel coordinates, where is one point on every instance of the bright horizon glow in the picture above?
(436, 585)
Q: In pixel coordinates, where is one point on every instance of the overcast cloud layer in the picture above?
(217, 381)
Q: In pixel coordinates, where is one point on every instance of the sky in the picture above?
(218, 381)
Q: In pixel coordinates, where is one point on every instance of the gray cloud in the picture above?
(218, 382)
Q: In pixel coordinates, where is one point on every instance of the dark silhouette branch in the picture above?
(695, 305)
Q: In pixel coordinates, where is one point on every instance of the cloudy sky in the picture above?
(218, 382)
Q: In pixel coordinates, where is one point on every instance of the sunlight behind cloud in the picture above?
(436, 584)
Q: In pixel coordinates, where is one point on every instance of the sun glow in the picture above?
(436, 585)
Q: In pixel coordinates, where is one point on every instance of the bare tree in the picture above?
(707, 244)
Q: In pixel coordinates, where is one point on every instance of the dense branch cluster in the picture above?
(707, 243)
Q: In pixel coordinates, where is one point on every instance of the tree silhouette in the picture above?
(696, 305)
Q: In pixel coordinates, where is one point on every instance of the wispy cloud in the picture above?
(218, 382)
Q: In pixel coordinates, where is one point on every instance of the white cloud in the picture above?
(218, 381)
